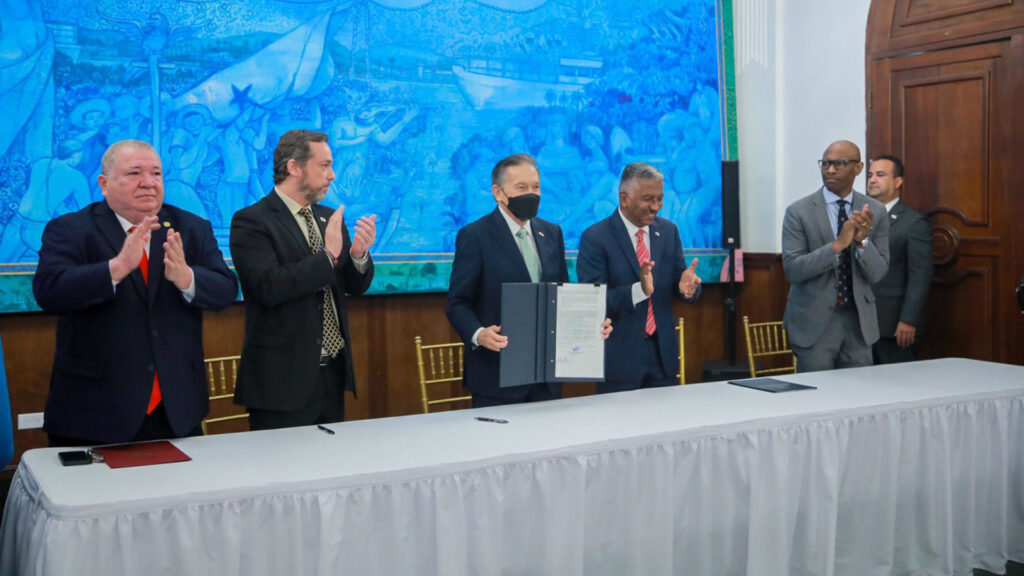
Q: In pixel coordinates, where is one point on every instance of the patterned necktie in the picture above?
(333, 340)
(529, 254)
(642, 255)
(155, 395)
(844, 276)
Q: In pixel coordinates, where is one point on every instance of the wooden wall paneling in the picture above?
(28, 344)
(365, 337)
(406, 317)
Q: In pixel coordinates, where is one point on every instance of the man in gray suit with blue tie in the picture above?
(835, 245)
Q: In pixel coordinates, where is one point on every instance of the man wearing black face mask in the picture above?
(508, 245)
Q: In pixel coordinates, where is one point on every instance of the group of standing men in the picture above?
(859, 266)
(512, 245)
(131, 276)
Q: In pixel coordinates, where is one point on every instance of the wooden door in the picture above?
(953, 113)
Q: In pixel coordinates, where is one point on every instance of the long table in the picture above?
(914, 468)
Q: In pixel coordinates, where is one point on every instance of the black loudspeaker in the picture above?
(730, 204)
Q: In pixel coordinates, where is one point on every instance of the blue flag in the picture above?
(6, 424)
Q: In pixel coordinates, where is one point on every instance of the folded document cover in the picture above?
(554, 333)
(771, 385)
(141, 454)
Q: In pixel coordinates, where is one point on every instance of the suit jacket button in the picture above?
(320, 341)
(151, 368)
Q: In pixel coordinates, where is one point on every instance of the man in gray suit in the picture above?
(835, 245)
(904, 290)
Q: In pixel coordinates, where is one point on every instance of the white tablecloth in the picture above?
(914, 468)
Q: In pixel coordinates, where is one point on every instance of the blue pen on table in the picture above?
(495, 420)
(325, 429)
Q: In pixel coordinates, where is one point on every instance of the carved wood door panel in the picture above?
(953, 115)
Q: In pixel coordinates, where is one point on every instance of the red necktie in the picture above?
(154, 397)
(642, 255)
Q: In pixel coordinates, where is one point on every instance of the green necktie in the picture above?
(529, 254)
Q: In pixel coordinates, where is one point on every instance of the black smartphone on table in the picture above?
(75, 457)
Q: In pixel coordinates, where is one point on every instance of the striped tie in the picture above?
(642, 255)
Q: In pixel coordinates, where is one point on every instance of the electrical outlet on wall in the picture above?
(30, 421)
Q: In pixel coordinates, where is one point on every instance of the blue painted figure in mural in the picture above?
(56, 187)
(188, 154)
(238, 145)
(562, 166)
(89, 120)
(126, 121)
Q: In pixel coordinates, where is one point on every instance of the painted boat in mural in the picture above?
(497, 85)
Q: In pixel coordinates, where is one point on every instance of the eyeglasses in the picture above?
(837, 164)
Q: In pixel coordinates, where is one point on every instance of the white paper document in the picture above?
(579, 347)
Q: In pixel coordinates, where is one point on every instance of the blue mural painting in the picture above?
(419, 98)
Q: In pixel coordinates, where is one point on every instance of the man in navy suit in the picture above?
(640, 257)
(508, 245)
(129, 277)
(901, 295)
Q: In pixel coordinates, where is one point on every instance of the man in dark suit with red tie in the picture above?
(640, 257)
(506, 246)
(130, 277)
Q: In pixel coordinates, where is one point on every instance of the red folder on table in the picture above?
(141, 454)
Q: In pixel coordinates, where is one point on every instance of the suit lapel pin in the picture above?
(658, 234)
(167, 224)
(541, 234)
(892, 216)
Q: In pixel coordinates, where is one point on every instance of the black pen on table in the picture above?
(495, 420)
(325, 428)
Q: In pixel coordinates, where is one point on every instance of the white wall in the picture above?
(799, 87)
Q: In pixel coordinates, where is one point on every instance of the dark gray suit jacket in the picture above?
(902, 294)
(281, 282)
(809, 264)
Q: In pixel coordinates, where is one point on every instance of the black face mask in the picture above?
(524, 207)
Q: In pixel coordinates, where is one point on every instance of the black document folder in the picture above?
(529, 317)
(771, 385)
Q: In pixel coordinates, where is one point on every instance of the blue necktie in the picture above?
(844, 277)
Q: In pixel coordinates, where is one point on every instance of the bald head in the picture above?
(847, 149)
(840, 165)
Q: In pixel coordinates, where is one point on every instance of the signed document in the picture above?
(579, 347)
